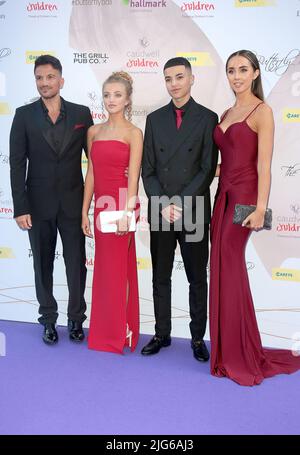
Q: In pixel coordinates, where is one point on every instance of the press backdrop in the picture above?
(92, 38)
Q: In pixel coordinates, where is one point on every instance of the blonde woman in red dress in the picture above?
(113, 147)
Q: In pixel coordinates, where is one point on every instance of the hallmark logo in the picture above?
(292, 170)
(277, 64)
(90, 57)
(145, 4)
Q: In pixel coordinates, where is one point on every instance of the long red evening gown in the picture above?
(236, 349)
(115, 256)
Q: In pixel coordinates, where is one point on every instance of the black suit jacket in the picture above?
(41, 179)
(180, 162)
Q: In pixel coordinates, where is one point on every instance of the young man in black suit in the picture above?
(46, 142)
(179, 163)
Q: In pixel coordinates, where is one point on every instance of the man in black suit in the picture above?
(179, 163)
(46, 142)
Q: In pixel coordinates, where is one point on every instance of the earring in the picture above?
(103, 111)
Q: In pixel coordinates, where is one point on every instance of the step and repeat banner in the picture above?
(92, 38)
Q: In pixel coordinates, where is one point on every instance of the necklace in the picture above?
(110, 128)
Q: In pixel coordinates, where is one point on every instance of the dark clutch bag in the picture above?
(242, 211)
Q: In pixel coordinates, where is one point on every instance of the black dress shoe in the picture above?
(200, 350)
(76, 332)
(155, 344)
(50, 334)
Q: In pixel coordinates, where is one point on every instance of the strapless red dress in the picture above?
(113, 316)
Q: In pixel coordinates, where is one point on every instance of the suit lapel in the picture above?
(189, 122)
(40, 118)
(70, 122)
(170, 123)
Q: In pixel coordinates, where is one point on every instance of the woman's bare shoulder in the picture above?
(264, 109)
(135, 133)
(94, 129)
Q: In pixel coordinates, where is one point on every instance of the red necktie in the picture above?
(179, 113)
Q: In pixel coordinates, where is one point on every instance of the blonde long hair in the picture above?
(125, 79)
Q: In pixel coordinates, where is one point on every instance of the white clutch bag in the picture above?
(108, 220)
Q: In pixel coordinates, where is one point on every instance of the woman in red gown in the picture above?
(114, 147)
(245, 139)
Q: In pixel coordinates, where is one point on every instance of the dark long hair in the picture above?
(256, 87)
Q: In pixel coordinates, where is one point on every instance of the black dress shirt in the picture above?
(55, 131)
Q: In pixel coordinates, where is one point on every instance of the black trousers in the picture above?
(195, 258)
(43, 236)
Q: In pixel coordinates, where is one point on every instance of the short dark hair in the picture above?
(176, 61)
(48, 60)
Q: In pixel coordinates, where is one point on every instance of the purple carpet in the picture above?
(68, 389)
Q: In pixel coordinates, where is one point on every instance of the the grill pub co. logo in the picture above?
(90, 57)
